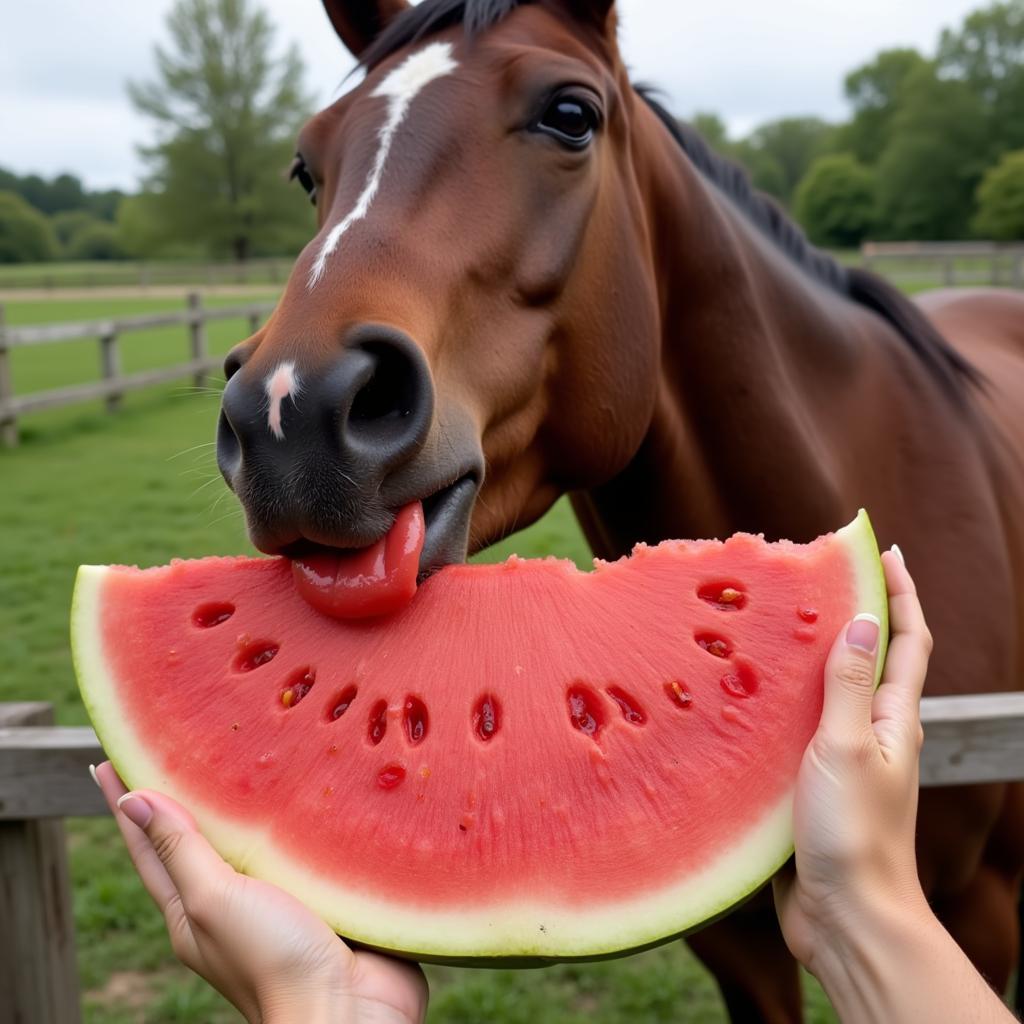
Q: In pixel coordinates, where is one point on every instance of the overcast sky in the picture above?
(63, 65)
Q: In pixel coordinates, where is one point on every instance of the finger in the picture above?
(899, 697)
(148, 865)
(192, 865)
(850, 679)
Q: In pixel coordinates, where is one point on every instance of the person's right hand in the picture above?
(856, 797)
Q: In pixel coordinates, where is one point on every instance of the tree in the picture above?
(712, 130)
(987, 55)
(875, 91)
(25, 234)
(779, 153)
(1001, 200)
(931, 166)
(226, 111)
(836, 201)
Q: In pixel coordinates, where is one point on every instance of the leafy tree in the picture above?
(98, 241)
(875, 91)
(69, 223)
(1001, 200)
(25, 234)
(836, 201)
(933, 161)
(226, 111)
(987, 55)
(779, 153)
(712, 130)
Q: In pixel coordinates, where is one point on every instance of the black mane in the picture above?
(860, 286)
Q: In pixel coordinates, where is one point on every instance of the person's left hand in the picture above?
(273, 958)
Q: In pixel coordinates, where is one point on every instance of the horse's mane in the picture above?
(860, 286)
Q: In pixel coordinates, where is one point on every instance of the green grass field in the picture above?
(141, 487)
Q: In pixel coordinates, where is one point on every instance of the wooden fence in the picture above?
(113, 385)
(946, 264)
(44, 777)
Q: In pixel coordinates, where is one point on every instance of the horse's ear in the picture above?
(595, 11)
(359, 22)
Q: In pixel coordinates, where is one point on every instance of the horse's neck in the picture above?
(773, 387)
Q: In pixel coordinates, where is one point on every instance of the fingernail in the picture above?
(92, 772)
(135, 809)
(863, 632)
(899, 554)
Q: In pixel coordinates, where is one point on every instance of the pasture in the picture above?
(141, 487)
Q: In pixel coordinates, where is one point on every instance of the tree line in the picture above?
(934, 149)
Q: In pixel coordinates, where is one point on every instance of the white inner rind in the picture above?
(508, 927)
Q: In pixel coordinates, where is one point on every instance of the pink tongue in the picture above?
(377, 580)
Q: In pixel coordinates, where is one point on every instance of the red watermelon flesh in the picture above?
(527, 762)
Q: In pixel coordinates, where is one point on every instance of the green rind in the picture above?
(435, 937)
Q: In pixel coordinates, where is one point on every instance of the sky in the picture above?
(64, 64)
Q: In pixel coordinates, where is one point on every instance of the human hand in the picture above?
(856, 797)
(273, 958)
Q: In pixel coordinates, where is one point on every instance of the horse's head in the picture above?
(473, 325)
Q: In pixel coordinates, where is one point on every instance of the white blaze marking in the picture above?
(400, 86)
(281, 384)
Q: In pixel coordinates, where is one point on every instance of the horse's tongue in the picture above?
(377, 580)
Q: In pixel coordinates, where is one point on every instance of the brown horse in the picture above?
(528, 281)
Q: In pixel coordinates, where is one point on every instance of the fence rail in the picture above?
(949, 264)
(114, 384)
(44, 778)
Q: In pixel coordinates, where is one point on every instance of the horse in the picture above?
(529, 281)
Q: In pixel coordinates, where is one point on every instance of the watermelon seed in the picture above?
(631, 710)
(808, 614)
(254, 655)
(715, 645)
(486, 715)
(378, 724)
(300, 683)
(584, 711)
(740, 683)
(678, 694)
(343, 703)
(414, 720)
(208, 615)
(726, 597)
(391, 776)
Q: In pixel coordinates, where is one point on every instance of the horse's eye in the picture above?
(300, 172)
(570, 119)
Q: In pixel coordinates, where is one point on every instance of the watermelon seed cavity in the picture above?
(208, 615)
(486, 716)
(714, 644)
(678, 694)
(414, 720)
(252, 656)
(741, 682)
(298, 685)
(631, 710)
(378, 724)
(726, 597)
(391, 776)
(343, 703)
(585, 711)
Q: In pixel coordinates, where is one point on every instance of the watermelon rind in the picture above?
(517, 933)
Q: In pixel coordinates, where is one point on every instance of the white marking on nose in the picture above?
(401, 86)
(281, 384)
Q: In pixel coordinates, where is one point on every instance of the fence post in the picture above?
(255, 320)
(8, 422)
(197, 334)
(1017, 271)
(110, 362)
(949, 271)
(38, 975)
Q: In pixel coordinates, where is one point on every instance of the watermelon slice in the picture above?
(528, 762)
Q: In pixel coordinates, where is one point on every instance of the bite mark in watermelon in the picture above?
(527, 763)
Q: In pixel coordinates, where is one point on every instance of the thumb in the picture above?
(189, 860)
(850, 678)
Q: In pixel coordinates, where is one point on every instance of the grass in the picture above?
(141, 487)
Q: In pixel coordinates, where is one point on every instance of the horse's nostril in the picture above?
(390, 392)
(229, 450)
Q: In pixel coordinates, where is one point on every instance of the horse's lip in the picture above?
(446, 512)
